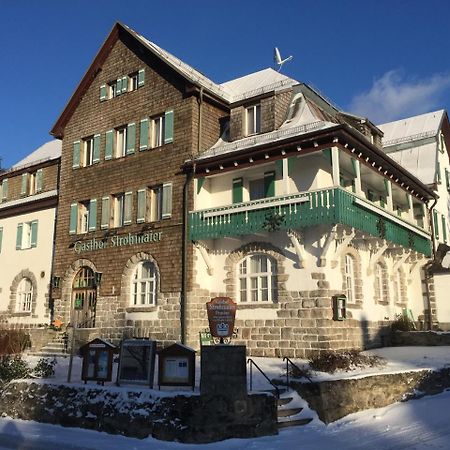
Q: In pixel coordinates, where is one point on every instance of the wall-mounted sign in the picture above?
(137, 362)
(221, 315)
(117, 241)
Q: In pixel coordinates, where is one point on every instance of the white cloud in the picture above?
(392, 97)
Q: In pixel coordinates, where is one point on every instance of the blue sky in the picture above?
(386, 59)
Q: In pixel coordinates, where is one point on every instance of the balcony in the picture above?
(307, 209)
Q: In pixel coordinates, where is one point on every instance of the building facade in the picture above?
(28, 201)
(175, 189)
(421, 144)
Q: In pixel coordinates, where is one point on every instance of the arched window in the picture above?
(257, 279)
(381, 283)
(144, 280)
(84, 292)
(349, 269)
(24, 295)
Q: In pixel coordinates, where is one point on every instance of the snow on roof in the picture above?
(50, 150)
(412, 128)
(257, 83)
(420, 160)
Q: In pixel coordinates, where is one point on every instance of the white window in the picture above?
(381, 282)
(133, 81)
(26, 235)
(257, 279)
(398, 286)
(113, 89)
(87, 157)
(121, 142)
(158, 131)
(161, 202)
(24, 295)
(350, 278)
(83, 217)
(143, 289)
(253, 119)
(122, 209)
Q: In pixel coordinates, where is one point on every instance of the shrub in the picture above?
(13, 342)
(402, 323)
(330, 361)
(45, 368)
(13, 367)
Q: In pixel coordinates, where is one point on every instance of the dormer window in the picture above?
(253, 119)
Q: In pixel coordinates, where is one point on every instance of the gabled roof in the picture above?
(266, 80)
(47, 151)
(412, 128)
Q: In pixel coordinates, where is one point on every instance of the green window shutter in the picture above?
(341, 181)
(200, 183)
(118, 86)
(76, 155)
(326, 152)
(5, 189)
(103, 92)
(93, 214)
(167, 201)
(96, 152)
(279, 167)
(23, 190)
(447, 179)
(237, 190)
(435, 224)
(1, 238)
(73, 218)
(444, 228)
(39, 180)
(109, 144)
(124, 84)
(292, 161)
(19, 236)
(131, 138)
(383, 202)
(141, 205)
(354, 163)
(168, 127)
(106, 212)
(269, 184)
(143, 139)
(141, 77)
(34, 233)
(128, 208)
(370, 195)
(438, 172)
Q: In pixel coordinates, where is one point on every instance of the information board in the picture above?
(221, 315)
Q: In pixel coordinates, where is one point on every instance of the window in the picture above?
(121, 142)
(27, 233)
(253, 119)
(381, 283)
(398, 287)
(122, 209)
(161, 130)
(31, 183)
(350, 278)
(83, 216)
(24, 295)
(143, 289)
(256, 189)
(133, 81)
(257, 279)
(91, 151)
(4, 189)
(161, 202)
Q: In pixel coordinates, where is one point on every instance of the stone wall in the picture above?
(420, 338)
(189, 419)
(335, 399)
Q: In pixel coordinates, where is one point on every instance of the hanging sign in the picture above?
(221, 315)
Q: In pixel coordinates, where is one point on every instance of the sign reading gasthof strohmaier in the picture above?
(221, 315)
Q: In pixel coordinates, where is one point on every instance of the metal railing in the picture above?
(252, 363)
(300, 371)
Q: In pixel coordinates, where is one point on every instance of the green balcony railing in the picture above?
(302, 210)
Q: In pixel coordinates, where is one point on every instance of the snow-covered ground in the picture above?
(417, 424)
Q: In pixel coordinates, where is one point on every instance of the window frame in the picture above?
(254, 288)
(158, 132)
(120, 131)
(350, 276)
(24, 296)
(255, 109)
(149, 293)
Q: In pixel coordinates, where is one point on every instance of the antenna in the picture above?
(278, 60)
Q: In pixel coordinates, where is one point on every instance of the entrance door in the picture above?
(84, 299)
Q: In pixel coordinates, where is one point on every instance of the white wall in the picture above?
(37, 260)
(441, 289)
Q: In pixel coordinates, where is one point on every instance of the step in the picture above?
(43, 354)
(288, 412)
(274, 391)
(293, 423)
(284, 401)
(51, 348)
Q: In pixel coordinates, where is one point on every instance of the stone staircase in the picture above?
(288, 417)
(56, 347)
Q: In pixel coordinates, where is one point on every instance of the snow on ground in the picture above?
(415, 425)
